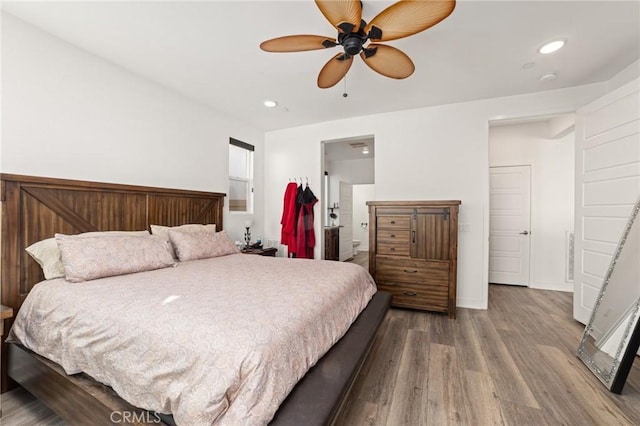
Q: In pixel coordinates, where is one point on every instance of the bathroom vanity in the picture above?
(331, 242)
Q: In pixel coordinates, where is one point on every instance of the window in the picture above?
(240, 176)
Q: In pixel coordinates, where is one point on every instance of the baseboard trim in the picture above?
(566, 287)
(470, 304)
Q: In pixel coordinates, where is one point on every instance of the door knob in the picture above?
(524, 233)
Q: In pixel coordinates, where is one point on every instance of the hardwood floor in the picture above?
(513, 364)
(20, 408)
(362, 259)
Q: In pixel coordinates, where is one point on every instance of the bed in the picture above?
(36, 208)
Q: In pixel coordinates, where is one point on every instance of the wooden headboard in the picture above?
(35, 208)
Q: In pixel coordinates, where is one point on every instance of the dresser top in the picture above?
(5, 312)
(415, 203)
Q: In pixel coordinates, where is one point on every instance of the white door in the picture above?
(509, 224)
(345, 216)
(607, 186)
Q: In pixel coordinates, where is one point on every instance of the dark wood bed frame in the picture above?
(35, 208)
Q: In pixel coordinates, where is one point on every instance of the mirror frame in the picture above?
(615, 378)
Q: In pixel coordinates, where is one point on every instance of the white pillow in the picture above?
(91, 257)
(47, 253)
(202, 245)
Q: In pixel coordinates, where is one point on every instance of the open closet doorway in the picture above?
(349, 183)
(531, 202)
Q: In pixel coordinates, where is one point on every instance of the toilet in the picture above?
(356, 243)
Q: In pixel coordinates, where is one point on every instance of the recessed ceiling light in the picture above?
(549, 76)
(529, 65)
(552, 46)
(270, 104)
(365, 150)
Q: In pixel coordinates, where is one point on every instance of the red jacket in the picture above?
(287, 236)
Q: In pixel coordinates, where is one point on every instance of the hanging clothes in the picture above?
(305, 235)
(289, 217)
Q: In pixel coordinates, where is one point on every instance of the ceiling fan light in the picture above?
(552, 46)
(270, 104)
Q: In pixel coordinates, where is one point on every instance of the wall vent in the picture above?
(357, 145)
(569, 244)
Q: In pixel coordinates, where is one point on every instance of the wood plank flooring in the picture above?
(513, 364)
(361, 258)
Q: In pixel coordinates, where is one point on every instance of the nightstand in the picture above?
(5, 313)
(267, 251)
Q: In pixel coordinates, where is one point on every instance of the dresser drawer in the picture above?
(393, 248)
(391, 235)
(412, 271)
(416, 296)
(394, 222)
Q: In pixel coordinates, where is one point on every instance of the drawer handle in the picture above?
(392, 235)
(392, 249)
(413, 236)
(410, 293)
(393, 222)
(411, 271)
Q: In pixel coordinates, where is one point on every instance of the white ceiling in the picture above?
(209, 51)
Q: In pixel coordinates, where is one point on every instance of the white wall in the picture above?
(69, 114)
(438, 152)
(552, 189)
(355, 172)
(362, 194)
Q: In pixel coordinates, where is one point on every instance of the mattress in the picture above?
(214, 341)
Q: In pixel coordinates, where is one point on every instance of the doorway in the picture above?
(534, 156)
(348, 164)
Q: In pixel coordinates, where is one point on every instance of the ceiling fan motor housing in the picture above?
(353, 42)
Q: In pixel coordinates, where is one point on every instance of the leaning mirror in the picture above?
(612, 336)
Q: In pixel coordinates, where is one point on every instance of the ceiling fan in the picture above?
(401, 19)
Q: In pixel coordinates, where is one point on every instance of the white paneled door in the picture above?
(607, 186)
(509, 224)
(346, 221)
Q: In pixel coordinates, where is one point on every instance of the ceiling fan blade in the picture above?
(345, 15)
(297, 43)
(408, 17)
(388, 61)
(334, 70)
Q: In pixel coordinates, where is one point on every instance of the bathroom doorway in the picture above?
(347, 163)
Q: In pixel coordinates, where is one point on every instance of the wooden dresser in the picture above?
(413, 252)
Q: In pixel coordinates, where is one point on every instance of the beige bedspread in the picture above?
(220, 340)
